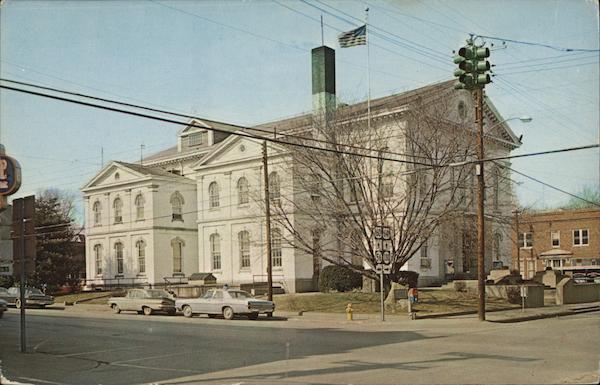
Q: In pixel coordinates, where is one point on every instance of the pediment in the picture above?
(237, 148)
(112, 174)
(194, 125)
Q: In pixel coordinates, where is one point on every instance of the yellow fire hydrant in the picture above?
(349, 312)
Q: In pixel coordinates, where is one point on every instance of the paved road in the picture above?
(136, 349)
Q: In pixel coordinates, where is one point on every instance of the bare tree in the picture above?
(397, 173)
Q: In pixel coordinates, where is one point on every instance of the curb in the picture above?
(548, 315)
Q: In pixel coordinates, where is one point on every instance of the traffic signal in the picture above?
(472, 67)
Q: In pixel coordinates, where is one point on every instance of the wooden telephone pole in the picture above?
(268, 220)
(480, 208)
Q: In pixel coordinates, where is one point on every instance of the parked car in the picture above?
(3, 307)
(33, 297)
(4, 295)
(146, 301)
(227, 303)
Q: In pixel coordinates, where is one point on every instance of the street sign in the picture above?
(10, 175)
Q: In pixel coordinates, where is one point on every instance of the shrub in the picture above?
(514, 294)
(339, 278)
(460, 286)
(410, 278)
(6, 281)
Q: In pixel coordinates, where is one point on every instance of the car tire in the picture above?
(253, 316)
(18, 303)
(187, 311)
(228, 313)
(115, 308)
(270, 314)
(212, 315)
(147, 310)
(1, 313)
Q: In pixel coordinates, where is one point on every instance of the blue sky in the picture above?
(248, 62)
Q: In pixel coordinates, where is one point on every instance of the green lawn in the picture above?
(430, 301)
(94, 296)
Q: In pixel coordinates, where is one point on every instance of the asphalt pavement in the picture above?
(89, 345)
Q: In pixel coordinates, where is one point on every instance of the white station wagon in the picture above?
(227, 303)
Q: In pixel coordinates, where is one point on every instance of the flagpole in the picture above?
(322, 34)
(368, 72)
(368, 89)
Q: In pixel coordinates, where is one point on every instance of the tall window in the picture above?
(97, 209)
(274, 188)
(555, 238)
(139, 207)
(525, 240)
(215, 251)
(119, 257)
(118, 210)
(496, 246)
(98, 258)
(580, 237)
(496, 184)
(276, 247)
(213, 195)
(177, 206)
(316, 246)
(177, 247)
(141, 255)
(244, 242)
(425, 261)
(242, 188)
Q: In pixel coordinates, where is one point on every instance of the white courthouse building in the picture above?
(193, 207)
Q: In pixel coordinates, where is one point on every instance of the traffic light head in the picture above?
(472, 67)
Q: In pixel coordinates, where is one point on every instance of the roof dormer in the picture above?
(195, 135)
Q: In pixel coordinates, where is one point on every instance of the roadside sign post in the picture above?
(383, 254)
(523, 296)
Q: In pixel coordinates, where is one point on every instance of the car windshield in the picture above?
(34, 291)
(239, 294)
(3, 290)
(157, 294)
(208, 294)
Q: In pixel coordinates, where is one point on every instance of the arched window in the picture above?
(118, 210)
(119, 257)
(213, 195)
(215, 251)
(276, 247)
(177, 203)
(141, 255)
(242, 188)
(97, 209)
(177, 245)
(497, 243)
(98, 258)
(139, 207)
(244, 242)
(496, 184)
(274, 188)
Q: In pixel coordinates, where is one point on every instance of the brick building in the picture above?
(565, 240)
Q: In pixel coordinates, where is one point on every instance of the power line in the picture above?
(554, 47)
(251, 136)
(552, 187)
(195, 117)
(236, 133)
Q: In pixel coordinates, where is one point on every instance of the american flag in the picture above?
(352, 38)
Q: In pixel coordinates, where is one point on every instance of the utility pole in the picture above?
(472, 75)
(518, 244)
(480, 209)
(268, 220)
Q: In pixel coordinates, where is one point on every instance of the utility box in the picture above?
(201, 279)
